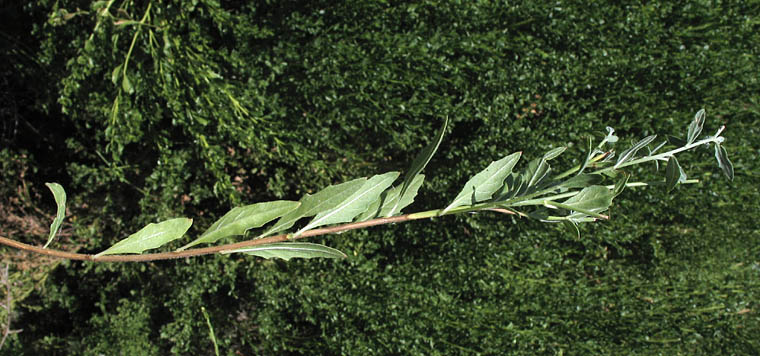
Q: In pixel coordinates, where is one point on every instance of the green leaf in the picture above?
(620, 184)
(311, 205)
(723, 162)
(482, 186)
(238, 220)
(631, 152)
(552, 154)
(382, 206)
(419, 164)
(695, 127)
(126, 85)
(116, 74)
(578, 211)
(288, 250)
(60, 200)
(355, 204)
(674, 174)
(590, 153)
(572, 226)
(537, 170)
(581, 181)
(513, 184)
(151, 236)
(594, 198)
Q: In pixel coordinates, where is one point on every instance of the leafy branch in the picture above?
(572, 197)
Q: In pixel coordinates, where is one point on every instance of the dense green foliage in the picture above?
(159, 109)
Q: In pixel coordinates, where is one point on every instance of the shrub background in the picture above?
(226, 104)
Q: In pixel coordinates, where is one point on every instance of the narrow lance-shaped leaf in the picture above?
(590, 153)
(579, 212)
(580, 181)
(631, 152)
(151, 236)
(288, 250)
(695, 127)
(723, 162)
(355, 204)
(419, 164)
(540, 168)
(322, 200)
(554, 153)
(482, 186)
(238, 220)
(620, 184)
(674, 174)
(60, 200)
(382, 205)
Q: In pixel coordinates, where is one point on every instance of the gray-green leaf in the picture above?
(238, 220)
(723, 162)
(355, 204)
(382, 206)
(322, 200)
(60, 200)
(419, 163)
(288, 250)
(151, 236)
(674, 174)
(631, 152)
(482, 186)
(695, 127)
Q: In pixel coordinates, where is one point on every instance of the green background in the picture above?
(231, 103)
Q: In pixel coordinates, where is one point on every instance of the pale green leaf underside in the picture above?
(60, 200)
(288, 250)
(322, 200)
(483, 185)
(355, 204)
(151, 236)
(382, 205)
(419, 163)
(238, 220)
